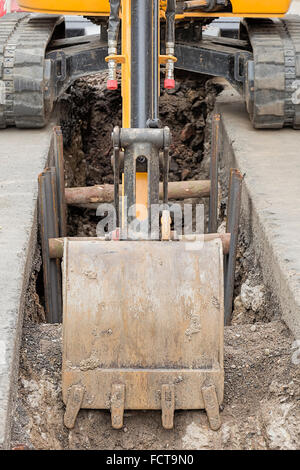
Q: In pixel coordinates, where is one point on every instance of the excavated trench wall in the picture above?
(89, 114)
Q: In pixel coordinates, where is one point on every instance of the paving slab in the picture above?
(23, 155)
(270, 160)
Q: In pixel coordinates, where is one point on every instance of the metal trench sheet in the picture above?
(142, 314)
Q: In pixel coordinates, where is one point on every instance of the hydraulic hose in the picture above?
(170, 43)
(170, 18)
(114, 21)
(113, 34)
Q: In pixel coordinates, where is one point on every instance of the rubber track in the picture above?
(276, 49)
(23, 42)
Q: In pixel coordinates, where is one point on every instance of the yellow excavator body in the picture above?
(253, 8)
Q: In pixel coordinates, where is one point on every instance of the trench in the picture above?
(88, 114)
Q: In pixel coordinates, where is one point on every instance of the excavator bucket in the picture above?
(143, 327)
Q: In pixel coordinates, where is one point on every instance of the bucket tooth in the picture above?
(74, 402)
(168, 406)
(212, 407)
(117, 405)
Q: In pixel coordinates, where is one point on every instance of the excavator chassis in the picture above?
(262, 66)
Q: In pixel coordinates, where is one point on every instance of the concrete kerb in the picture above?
(23, 155)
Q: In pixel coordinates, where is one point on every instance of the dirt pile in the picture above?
(89, 113)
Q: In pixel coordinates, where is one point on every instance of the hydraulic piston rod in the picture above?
(142, 55)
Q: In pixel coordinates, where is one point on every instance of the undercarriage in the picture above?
(37, 65)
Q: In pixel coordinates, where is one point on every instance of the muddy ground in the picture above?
(261, 408)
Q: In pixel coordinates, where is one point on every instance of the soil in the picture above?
(254, 301)
(34, 300)
(261, 408)
(90, 112)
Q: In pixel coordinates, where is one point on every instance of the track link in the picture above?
(276, 88)
(23, 80)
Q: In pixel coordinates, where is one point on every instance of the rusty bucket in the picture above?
(143, 328)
